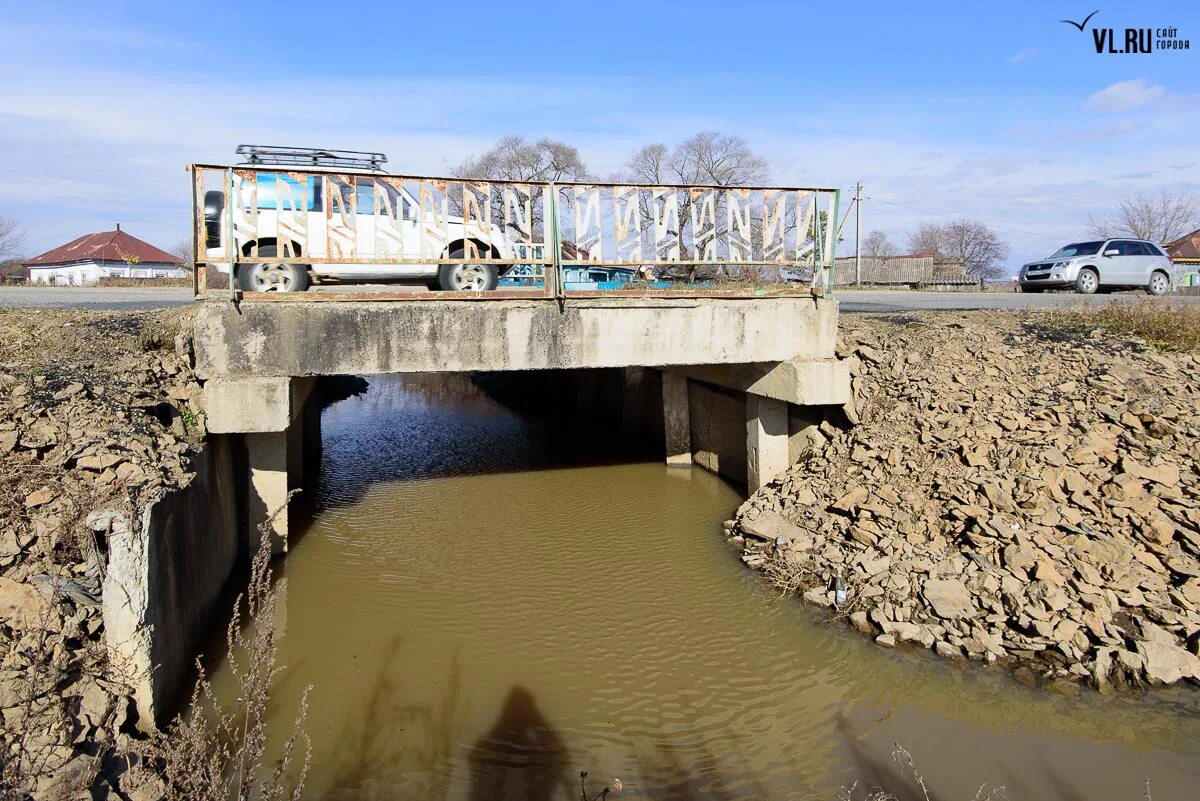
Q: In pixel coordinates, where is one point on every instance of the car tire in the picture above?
(1087, 282)
(266, 276)
(1160, 283)
(460, 277)
(1033, 290)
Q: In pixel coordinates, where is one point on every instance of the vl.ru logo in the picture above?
(1132, 40)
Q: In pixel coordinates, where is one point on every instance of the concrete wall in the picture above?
(166, 576)
(717, 422)
(296, 338)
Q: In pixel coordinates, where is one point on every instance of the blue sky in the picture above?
(995, 112)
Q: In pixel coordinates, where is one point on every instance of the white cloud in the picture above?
(1125, 95)
(1024, 54)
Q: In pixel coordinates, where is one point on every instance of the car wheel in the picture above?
(460, 277)
(267, 276)
(1159, 283)
(1087, 282)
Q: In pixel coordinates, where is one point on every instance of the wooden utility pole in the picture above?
(858, 235)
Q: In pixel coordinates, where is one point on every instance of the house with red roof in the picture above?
(1186, 251)
(107, 254)
(1186, 248)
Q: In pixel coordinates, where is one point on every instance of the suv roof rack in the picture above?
(312, 157)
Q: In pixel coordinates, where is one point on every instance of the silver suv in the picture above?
(1101, 265)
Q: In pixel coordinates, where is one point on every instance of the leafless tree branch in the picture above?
(1159, 217)
(12, 234)
(876, 245)
(978, 247)
(514, 158)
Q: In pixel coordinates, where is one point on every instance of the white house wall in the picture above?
(90, 272)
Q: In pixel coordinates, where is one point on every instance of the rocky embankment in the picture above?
(98, 412)
(1011, 493)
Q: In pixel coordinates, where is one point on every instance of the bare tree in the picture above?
(876, 245)
(514, 158)
(11, 237)
(977, 247)
(926, 240)
(1159, 217)
(183, 252)
(706, 158)
(974, 244)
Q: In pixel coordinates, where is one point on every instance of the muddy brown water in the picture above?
(485, 604)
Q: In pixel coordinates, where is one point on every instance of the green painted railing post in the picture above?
(831, 240)
(555, 284)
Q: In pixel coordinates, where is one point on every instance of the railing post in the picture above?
(192, 173)
(230, 243)
(831, 240)
(554, 285)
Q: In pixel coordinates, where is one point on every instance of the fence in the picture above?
(536, 235)
(901, 270)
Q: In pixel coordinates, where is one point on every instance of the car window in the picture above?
(1121, 248)
(366, 196)
(1139, 249)
(276, 190)
(1077, 249)
(1154, 250)
(397, 203)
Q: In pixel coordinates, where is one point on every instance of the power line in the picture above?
(961, 217)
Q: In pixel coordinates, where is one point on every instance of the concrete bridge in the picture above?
(735, 385)
(747, 369)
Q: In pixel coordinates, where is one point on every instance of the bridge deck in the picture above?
(357, 337)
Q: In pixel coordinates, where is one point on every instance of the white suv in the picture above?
(1103, 264)
(278, 192)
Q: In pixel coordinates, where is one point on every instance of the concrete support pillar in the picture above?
(676, 422)
(267, 488)
(269, 414)
(766, 440)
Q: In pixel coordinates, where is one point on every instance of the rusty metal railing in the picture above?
(537, 235)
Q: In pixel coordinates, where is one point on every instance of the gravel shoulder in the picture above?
(99, 416)
(1011, 494)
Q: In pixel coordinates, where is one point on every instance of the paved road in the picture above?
(97, 298)
(137, 298)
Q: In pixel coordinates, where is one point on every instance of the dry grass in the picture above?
(143, 282)
(1164, 326)
(214, 753)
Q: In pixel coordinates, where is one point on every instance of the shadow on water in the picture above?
(386, 732)
(873, 772)
(521, 756)
(670, 774)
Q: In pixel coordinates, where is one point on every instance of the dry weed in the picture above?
(1164, 326)
(212, 753)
